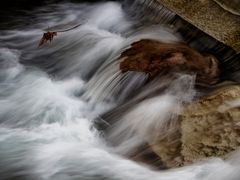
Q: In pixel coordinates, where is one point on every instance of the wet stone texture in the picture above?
(217, 18)
(157, 58)
(209, 127)
(232, 6)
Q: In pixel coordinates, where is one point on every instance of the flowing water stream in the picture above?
(52, 97)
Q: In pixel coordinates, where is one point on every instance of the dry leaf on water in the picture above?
(48, 36)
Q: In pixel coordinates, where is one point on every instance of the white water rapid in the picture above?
(52, 97)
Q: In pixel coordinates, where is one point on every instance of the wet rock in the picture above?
(158, 58)
(209, 127)
(144, 154)
(168, 148)
(211, 18)
(232, 6)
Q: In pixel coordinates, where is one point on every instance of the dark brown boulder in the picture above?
(158, 58)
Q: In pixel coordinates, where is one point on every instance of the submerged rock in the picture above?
(168, 148)
(158, 58)
(209, 127)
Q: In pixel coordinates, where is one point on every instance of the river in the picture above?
(52, 97)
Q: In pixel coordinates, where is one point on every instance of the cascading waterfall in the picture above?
(52, 97)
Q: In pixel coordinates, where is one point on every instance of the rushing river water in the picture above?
(52, 97)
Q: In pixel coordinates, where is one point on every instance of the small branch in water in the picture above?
(70, 28)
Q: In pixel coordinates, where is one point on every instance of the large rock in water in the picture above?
(160, 58)
(209, 127)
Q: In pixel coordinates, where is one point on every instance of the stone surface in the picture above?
(232, 6)
(157, 58)
(168, 148)
(209, 17)
(209, 127)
